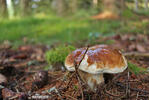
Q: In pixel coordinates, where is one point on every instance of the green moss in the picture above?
(58, 55)
(134, 68)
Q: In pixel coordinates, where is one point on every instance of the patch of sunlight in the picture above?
(43, 15)
(132, 5)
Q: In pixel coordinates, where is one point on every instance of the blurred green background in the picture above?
(69, 21)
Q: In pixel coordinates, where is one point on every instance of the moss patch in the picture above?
(58, 55)
(134, 68)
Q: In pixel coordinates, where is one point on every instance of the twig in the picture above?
(137, 96)
(111, 94)
(133, 89)
(77, 73)
(77, 65)
(13, 97)
(70, 80)
(83, 55)
(128, 87)
(72, 98)
(53, 89)
(137, 54)
(143, 95)
(58, 94)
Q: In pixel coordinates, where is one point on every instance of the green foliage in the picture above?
(75, 87)
(134, 68)
(94, 38)
(50, 29)
(143, 12)
(58, 55)
(127, 13)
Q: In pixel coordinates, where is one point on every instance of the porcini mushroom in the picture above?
(98, 59)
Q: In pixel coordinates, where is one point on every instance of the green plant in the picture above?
(134, 68)
(58, 55)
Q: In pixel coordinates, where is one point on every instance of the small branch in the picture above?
(112, 94)
(133, 89)
(128, 86)
(143, 95)
(137, 54)
(77, 73)
(83, 55)
(58, 94)
(137, 96)
(77, 65)
(72, 98)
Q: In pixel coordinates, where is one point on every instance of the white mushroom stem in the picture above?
(93, 80)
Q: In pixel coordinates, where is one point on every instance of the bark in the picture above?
(60, 7)
(122, 4)
(146, 4)
(114, 6)
(95, 3)
(3, 8)
(10, 9)
(73, 6)
(136, 5)
(25, 7)
(109, 5)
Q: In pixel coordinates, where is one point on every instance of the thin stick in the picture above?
(137, 54)
(128, 87)
(72, 98)
(77, 73)
(58, 94)
(133, 89)
(83, 55)
(112, 94)
(137, 96)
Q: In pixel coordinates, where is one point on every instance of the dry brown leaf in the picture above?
(140, 48)
(106, 15)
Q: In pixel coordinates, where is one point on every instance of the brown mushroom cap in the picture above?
(98, 59)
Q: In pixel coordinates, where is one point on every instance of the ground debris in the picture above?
(23, 69)
(10, 95)
(3, 79)
(40, 79)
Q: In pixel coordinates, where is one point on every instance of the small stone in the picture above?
(3, 79)
(40, 79)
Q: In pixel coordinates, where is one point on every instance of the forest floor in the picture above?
(26, 77)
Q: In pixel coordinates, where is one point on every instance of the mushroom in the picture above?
(98, 59)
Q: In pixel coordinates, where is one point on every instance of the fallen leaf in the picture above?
(140, 48)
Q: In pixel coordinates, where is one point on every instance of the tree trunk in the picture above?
(146, 4)
(136, 5)
(112, 9)
(61, 7)
(110, 5)
(95, 3)
(25, 7)
(122, 4)
(73, 5)
(114, 6)
(3, 8)
(10, 9)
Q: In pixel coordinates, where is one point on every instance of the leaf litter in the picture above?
(23, 69)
